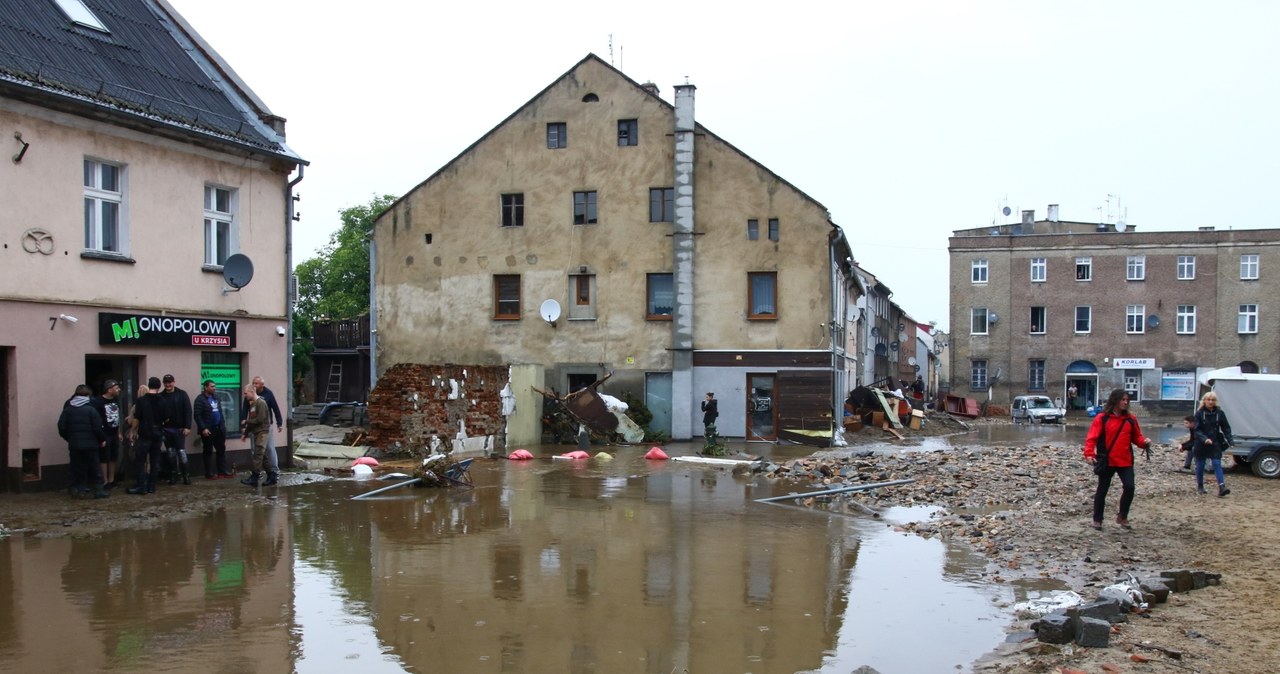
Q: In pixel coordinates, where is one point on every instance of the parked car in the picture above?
(1036, 409)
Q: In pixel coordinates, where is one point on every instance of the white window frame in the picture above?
(1135, 268)
(1088, 318)
(1186, 320)
(979, 271)
(976, 314)
(1132, 385)
(1135, 319)
(1044, 324)
(1186, 267)
(1039, 269)
(80, 13)
(1248, 267)
(1084, 264)
(1247, 320)
(215, 219)
(96, 201)
(978, 374)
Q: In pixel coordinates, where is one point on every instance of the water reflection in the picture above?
(546, 566)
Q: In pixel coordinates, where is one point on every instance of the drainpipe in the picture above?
(289, 291)
(373, 314)
(682, 395)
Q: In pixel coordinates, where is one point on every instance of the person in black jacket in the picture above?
(710, 412)
(81, 426)
(211, 424)
(1212, 434)
(148, 435)
(108, 406)
(177, 426)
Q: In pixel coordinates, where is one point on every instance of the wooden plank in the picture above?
(890, 410)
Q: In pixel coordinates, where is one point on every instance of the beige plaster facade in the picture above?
(439, 248)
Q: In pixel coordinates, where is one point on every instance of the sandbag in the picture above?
(520, 455)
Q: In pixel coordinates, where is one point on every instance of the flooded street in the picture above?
(545, 566)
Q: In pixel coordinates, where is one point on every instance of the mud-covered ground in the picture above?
(1027, 508)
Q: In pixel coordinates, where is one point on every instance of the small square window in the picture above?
(1186, 319)
(1248, 319)
(660, 297)
(762, 300)
(978, 271)
(506, 297)
(1039, 269)
(1039, 320)
(513, 210)
(1248, 267)
(1084, 269)
(628, 132)
(979, 321)
(1135, 268)
(557, 135)
(1186, 267)
(1135, 319)
(584, 208)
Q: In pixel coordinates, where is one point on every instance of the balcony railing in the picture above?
(346, 334)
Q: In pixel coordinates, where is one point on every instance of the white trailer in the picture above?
(1250, 401)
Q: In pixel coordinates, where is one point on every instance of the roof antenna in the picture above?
(611, 49)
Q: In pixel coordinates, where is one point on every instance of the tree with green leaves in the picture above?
(334, 285)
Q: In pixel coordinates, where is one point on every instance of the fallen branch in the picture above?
(1176, 655)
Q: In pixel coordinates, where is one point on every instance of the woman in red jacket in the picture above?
(1117, 431)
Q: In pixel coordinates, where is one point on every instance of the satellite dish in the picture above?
(875, 332)
(1153, 321)
(1006, 210)
(911, 361)
(550, 311)
(917, 367)
(902, 326)
(893, 345)
(881, 350)
(993, 317)
(237, 271)
(902, 336)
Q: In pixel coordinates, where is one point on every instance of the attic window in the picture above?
(591, 98)
(80, 14)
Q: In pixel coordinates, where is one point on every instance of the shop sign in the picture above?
(1133, 363)
(1178, 386)
(145, 329)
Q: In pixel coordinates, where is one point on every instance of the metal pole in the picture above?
(406, 483)
(861, 487)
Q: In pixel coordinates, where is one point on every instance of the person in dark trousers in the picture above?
(710, 411)
(1109, 447)
(148, 438)
(177, 426)
(81, 426)
(256, 424)
(1212, 435)
(212, 427)
(272, 460)
(108, 406)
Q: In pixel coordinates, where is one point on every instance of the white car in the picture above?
(1036, 409)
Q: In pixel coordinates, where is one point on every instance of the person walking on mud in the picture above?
(1211, 435)
(1109, 448)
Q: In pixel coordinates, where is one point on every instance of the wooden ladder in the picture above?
(334, 391)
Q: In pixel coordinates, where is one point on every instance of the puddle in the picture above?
(546, 566)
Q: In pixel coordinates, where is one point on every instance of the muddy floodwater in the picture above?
(544, 566)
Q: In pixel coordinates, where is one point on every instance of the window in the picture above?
(582, 293)
(1186, 322)
(1039, 269)
(978, 375)
(628, 132)
(978, 272)
(773, 229)
(1135, 316)
(1186, 267)
(1035, 374)
(218, 220)
(79, 13)
(978, 321)
(661, 297)
(1084, 320)
(1135, 268)
(506, 297)
(513, 210)
(1084, 269)
(557, 135)
(762, 302)
(662, 204)
(584, 208)
(103, 200)
(1248, 321)
(1039, 320)
(753, 230)
(1132, 384)
(1248, 267)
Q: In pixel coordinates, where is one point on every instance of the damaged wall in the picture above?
(461, 404)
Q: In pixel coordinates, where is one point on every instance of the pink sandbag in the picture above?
(656, 454)
(365, 461)
(520, 455)
(578, 454)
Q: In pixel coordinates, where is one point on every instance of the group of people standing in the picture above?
(1115, 432)
(157, 425)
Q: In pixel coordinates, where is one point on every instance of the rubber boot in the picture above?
(173, 466)
(1222, 489)
(139, 489)
(272, 478)
(251, 481)
(186, 476)
(101, 492)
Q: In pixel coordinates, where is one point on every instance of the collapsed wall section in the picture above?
(461, 405)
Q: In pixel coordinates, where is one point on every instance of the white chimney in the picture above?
(1029, 217)
(1053, 212)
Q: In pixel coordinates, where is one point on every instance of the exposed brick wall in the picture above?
(395, 416)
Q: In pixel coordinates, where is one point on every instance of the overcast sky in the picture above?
(907, 120)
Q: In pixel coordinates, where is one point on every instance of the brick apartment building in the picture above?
(1073, 310)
